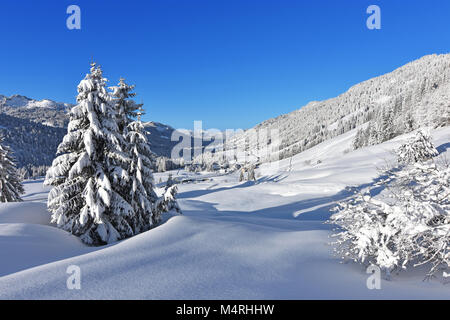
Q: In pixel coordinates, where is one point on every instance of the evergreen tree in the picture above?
(440, 115)
(409, 122)
(386, 130)
(125, 107)
(241, 175)
(88, 176)
(358, 141)
(168, 201)
(373, 134)
(142, 194)
(161, 164)
(10, 182)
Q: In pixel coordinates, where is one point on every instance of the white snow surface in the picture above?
(249, 240)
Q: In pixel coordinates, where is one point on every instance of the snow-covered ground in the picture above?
(262, 240)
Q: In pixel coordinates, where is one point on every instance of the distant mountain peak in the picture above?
(46, 111)
(20, 101)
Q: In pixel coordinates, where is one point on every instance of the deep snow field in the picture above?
(251, 240)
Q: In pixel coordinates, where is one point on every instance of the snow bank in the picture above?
(23, 246)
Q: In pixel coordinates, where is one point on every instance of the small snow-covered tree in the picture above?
(409, 122)
(161, 164)
(358, 142)
(386, 129)
(373, 138)
(242, 175)
(418, 148)
(23, 173)
(10, 182)
(89, 177)
(170, 182)
(168, 201)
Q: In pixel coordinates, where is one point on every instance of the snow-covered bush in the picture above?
(409, 225)
(10, 182)
(418, 148)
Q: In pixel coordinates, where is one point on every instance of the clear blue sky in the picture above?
(230, 63)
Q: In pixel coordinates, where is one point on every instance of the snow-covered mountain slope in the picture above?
(45, 111)
(235, 240)
(33, 144)
(33, 129)
(418, 92)
(159, 137)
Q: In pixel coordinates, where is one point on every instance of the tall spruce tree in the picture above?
(10, 183)
(89, 177)
(142, 194)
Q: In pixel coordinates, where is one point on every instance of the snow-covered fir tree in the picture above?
(89, 177)
(10, 182)
(142, 195)
(386, 129)
(418, 148)
(409, 122)
(125, 107)
(358, 142)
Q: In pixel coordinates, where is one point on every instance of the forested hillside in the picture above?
(415, 95)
